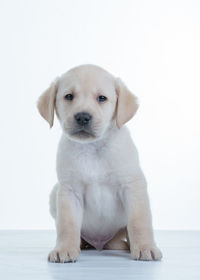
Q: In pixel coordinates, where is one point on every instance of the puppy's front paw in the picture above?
(146, 252)
(63, 255)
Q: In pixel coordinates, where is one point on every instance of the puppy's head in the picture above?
(88, 101)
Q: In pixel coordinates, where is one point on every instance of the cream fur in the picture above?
(101, 193)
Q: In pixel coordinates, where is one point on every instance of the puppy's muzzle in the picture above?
(83, 118)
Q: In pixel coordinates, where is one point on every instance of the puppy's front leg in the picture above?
(68, 222)
(140, 232)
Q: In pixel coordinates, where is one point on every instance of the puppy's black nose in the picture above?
(83, 118)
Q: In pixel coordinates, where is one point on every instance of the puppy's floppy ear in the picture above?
(46, 103)
(126, 103)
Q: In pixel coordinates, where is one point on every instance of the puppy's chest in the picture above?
(99, 184)
(93, 168)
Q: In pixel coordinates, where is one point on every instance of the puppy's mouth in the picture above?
(82, 133)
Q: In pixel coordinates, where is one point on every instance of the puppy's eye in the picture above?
(69, 96)
(101, 98)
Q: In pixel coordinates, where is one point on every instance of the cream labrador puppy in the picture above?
(101, 196)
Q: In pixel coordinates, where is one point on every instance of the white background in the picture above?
(154, 46)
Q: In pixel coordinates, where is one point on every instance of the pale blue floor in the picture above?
(23, 255)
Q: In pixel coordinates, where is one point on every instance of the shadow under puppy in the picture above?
(101, 195)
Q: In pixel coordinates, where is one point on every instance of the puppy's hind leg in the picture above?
(52, 201)
(118, 242)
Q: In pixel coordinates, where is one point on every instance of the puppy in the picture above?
(101, 197)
